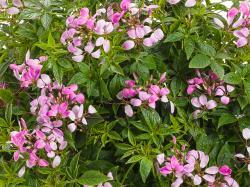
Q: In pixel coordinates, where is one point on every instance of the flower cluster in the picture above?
(32, 143)
(239, 20)
(208, 85)
(188, 3)
(243, 158)
(89, 34)
(106, 184)
(137, 95)
(56, 105)
(11, 10)
(191, 169)
(28, 72)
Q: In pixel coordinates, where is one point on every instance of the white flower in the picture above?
(21, 171)
(56, 162)
(246, 133)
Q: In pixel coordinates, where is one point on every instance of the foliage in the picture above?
(186, 79)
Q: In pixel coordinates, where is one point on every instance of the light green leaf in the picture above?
(232, 78)
(46, 20)
(92, 177)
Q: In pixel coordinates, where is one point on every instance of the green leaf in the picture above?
(6, 95)
(74, 165)
(135, 158)
(145, 168)
(104, 89)
(151, 117)
(247, 90)
(123, 146)
(3, 123)
(217, 69)
(114, 135)
(58, 72)
(46, 20)
(140, 126)
(46, 3)
(189, 47)
(173, 37)
(232, 78)
(30, 14)
(226, 119)
(200, 61)
(78, 78)
(207, 49)
(8, 113)
(131, 137)
(51, 40)
(117, 69)
(225, 155)
(92, 177)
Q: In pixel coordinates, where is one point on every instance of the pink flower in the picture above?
(225, 170)
(13, 11)
(124, 5)
(231, 15)
(173, 166)
(129, 111)
(17, 3)
(129, 44)
(135, 102)
(130, 83)
(203, 102)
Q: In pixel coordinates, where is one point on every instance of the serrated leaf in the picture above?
(46, 20)
(74, 165)
(174, 37)
(131, 137)
(3, 123)
(226, 119)
(58, 72)
(135, 158)
(92, 178)
(232, 78)
(200, 61)
(145, 168)
(151, 117)
(114, 135)
(189, 47)
(6, 95)
(104, 89)
(217, 69)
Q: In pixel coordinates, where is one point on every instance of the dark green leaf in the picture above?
(145, 168)
(226, 119)
(199, 61)
(173, 37)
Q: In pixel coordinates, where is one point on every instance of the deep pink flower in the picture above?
(225, 170)
(174, 166)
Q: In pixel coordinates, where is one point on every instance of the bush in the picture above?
(110, 93)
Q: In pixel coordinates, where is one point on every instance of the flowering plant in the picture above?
(124, 93)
